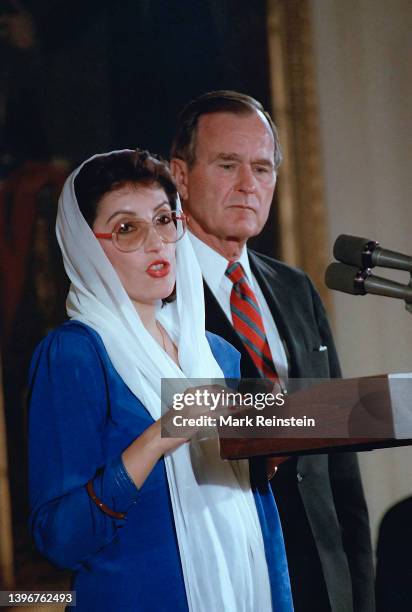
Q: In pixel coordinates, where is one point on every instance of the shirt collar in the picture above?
(213, 265)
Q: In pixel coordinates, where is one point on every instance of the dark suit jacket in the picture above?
(320, 497)
(393, 559)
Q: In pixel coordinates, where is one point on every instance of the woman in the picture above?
(145, 522)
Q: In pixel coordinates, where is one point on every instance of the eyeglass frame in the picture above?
(112, 235)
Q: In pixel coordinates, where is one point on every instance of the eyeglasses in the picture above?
(130, 234)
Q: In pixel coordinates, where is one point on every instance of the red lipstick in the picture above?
(158, 268)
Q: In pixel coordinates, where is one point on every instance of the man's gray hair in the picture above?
(221, 101)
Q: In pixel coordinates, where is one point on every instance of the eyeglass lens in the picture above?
(130, 234)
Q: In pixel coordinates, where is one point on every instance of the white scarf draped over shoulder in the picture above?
(218, 531)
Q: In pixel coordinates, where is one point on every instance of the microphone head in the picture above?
(354, 250)
(348, 279)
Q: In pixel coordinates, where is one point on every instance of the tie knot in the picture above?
(235, 272)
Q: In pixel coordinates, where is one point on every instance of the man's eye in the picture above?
(227, 166)
(262, 169)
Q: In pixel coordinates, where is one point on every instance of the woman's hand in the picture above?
(141, 456)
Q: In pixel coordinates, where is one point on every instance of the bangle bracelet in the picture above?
(101, 505)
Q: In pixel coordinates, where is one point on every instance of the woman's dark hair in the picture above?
(111, 172)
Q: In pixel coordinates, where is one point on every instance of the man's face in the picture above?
(229, 190)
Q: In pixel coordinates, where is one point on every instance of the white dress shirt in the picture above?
(213, 266)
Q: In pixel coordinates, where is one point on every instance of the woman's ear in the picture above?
(179, 170)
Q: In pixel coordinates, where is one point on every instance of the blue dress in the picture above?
(81, 418)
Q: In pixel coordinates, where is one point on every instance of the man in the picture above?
(224, 158)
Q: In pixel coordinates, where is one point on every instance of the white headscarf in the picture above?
(218, 531)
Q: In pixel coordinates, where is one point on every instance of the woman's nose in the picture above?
(152, 242)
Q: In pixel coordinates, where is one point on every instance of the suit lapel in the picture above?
(276, 297)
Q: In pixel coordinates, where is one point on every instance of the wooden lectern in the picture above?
(351, 415)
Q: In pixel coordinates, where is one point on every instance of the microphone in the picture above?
(350, 279)
(366, 253)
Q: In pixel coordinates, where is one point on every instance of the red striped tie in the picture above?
(248, 323)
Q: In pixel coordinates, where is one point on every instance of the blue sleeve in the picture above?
(225, 354)
(69, 393)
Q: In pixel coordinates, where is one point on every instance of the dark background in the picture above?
(103, 75)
